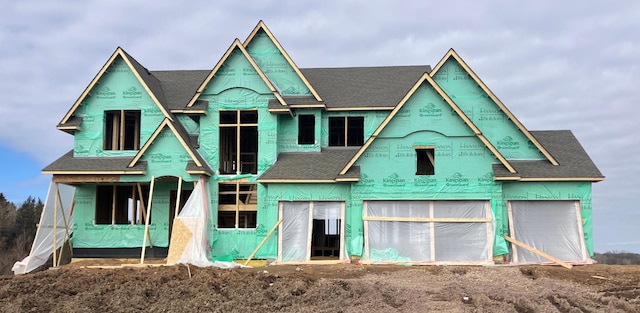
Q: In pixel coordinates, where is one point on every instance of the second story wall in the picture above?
(118, 115)
(426, 152)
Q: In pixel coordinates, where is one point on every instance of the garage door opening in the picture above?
(551, 226)
(444, 231)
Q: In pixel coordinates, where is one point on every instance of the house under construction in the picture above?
(412, 164)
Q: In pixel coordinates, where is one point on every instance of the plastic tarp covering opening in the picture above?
(429, 241)
(399, 241)
(43, 243)
(549, 226)
(295, 230)
(462, 241)
(189, 237)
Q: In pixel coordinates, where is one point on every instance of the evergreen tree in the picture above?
(27, 217)
(7, 220)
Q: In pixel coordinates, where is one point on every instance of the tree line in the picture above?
(618, 258)
(18, 224)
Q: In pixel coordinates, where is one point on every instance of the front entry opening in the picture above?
(311, 231)
(325, 242)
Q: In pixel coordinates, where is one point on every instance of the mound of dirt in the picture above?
(325, 288)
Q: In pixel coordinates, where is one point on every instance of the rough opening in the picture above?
(237, 205)
(346, 131)
(425, 164)
(325, 243)
(306, 129)
(122, 130)
(238, 145)
(121, 204)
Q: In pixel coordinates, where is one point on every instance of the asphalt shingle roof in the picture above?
(68, 163)
(353, 87)
(180, 86)
(323, 165)
(574, 162)
(382, 86)
(149, 79)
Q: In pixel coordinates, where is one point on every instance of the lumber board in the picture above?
(87, 178)
(273, 229)
(427, 219)
(318, 262)
(538, 252)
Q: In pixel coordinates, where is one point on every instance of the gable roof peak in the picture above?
(453, 54)
(149, 82)
(426, 78)
(235, 45)
(262, 26)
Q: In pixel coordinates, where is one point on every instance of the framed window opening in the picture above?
(237, 205)
(306, 129)
(346, 131)
(122, 130)
(238, 145)
(425, 161)
(121, 204)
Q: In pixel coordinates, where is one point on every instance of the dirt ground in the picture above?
(326, 288)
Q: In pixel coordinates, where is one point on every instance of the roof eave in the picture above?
(119, 172)
(556, 179)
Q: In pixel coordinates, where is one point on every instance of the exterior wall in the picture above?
(165, 157)
(463, 164)
(119, 89)
(87, 234)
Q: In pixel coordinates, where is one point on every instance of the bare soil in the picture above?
(326, 288)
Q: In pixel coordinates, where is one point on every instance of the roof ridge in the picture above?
(374, 66)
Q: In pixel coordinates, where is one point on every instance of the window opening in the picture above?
(237, 205)
(238, 142)
(425, 161)
(122, 130)
(346, 131)
(121, 204)
(306, 129)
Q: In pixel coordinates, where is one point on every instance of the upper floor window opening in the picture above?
(346, 131)
(425, 161)
(238, 145)
(306, 129)
(122, 130)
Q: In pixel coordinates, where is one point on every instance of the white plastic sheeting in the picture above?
(398, 241)
(550, 226)
(296, 229)
(194, 216)
(56, 221)
(463, 241)
(426, 239)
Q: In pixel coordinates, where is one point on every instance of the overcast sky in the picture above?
(556, 65)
